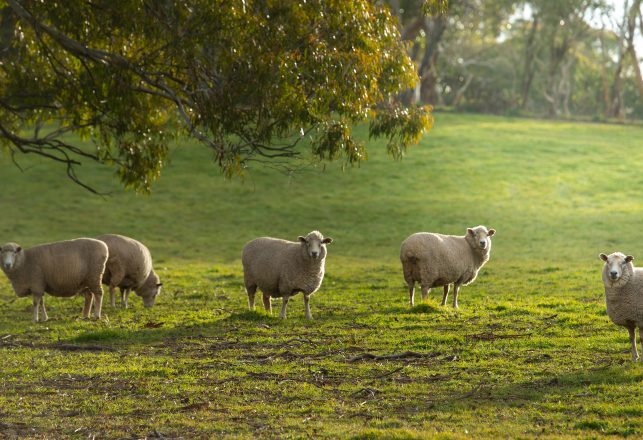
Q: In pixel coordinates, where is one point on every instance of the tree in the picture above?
(248, 78)
(633, 15)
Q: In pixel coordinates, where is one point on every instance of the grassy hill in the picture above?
(530, 352)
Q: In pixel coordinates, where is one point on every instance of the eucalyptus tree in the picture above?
(248, 79)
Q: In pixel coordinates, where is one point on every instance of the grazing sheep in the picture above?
(283, 268)
(63, 269)
(439, 260)
(129, 267)
(624, 294)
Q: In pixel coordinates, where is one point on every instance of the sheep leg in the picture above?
(112, 295)
(425, 291)
(125, 297)
(456, 290)
(252, 290)
(284, 303)
(446, 294)
(98, 303)
(266, 303)
(42, 309)
(88, 304)
(411, 293)
(117, 273)
(635, 353)
(36, 299)
(307, 307)
(641, 335)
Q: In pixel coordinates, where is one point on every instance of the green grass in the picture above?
(530, 353)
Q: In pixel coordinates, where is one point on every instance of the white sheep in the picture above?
(624, 294)
(438, 260)
(62, 269)
(129, 267)
(281, 268)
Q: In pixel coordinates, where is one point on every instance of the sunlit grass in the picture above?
(529, 353)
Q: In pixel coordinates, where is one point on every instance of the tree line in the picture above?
(548, 58)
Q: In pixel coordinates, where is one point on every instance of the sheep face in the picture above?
(149, 299)
(314, 244)
(150, 290)
(10, 256)
(480, 237)
(616, 265)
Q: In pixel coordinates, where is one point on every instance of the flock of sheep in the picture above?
(281, 269)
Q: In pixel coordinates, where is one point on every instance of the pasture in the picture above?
(530, 352)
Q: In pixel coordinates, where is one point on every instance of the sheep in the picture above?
(624, 295)
(129, 267)
(439, 260)
(281, 268)
(62, 269)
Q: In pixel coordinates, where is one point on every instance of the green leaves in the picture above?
(239, 76)
(401, 126)
(334, 139)
(435, 7)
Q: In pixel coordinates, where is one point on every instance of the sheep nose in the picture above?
(613, 273)
(315, 254)
(483, 244)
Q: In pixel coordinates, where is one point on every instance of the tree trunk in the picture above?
(566, 83)
(617, 92)
(434, 30)
(460, 93)
(634, 13)
(529, 69)
(604, 77)
(557, 54)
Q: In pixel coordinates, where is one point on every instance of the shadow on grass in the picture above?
(426, 308)
(549, 390)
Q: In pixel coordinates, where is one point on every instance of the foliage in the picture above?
(248, 79)
(435, 7)
(560, 59)
(530, 353)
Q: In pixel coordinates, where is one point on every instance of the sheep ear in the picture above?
(159, 284)
(470, 231)
(629, 258)
(602, 257)
(490, 232)
(19, 249)
(302, 239)
(327, 240)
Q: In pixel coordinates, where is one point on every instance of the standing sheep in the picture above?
(439, 260)
(129, 267)
(63, 269)
(283, 268)
(624, 294)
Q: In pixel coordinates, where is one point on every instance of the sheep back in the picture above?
(61, 269)
(279, 267)
(439, 259)
(131, 257)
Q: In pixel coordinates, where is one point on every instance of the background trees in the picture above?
(557, 59)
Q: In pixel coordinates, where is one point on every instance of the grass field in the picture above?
(530, 352)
